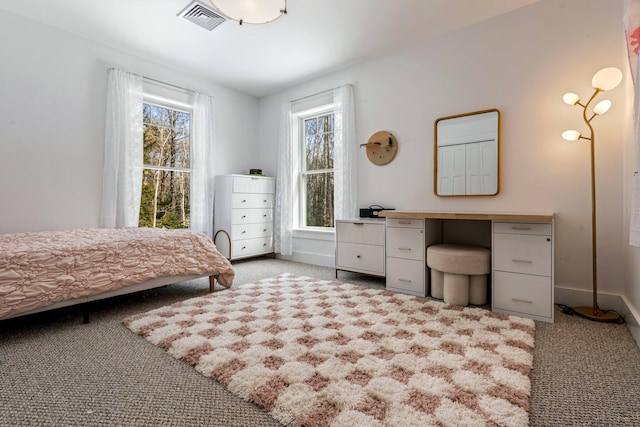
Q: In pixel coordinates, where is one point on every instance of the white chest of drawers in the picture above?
(243, 215)
(522, 282)
(360, 246)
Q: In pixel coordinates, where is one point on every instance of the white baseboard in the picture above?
(581, 298)
(310, 258)
(632, 317)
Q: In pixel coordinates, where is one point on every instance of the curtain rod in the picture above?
(317, 93)
(311, 96)
(159, 81)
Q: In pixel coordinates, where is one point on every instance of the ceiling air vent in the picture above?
(199, 14)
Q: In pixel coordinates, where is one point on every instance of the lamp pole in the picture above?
(594, 246)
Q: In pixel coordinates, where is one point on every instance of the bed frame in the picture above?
(149, 284)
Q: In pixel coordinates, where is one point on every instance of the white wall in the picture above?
(521, 63)
(631, 294)
(52, 119)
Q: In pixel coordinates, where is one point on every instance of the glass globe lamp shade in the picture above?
(602, 107)
(607, 78)
(251, 11)
(571, 135)
(571, 98)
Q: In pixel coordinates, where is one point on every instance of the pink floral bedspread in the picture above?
(39, 269)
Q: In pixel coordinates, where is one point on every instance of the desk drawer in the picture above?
(406, 276)
(406, 243)
(360, 232)
(522, 293)
(359, 257)
(522, 228)
(518, 253)
(405, 222)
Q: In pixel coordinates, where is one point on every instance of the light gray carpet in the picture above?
(56, 371)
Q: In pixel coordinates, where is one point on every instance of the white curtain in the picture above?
(123, 155)
(283, 227)
(632, 32)
(345, 151)
(202, 172)
(344, 163)
(122, 173)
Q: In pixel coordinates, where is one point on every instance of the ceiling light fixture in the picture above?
(251, 11)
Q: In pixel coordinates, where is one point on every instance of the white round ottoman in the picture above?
(459, 273)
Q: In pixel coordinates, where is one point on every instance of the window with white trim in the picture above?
(316, 151)
(166, 165)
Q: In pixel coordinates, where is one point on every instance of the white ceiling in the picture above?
(315, 37)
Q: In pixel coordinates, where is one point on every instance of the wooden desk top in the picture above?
(519, 217)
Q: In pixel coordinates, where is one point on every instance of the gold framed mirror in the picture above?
(466, 154)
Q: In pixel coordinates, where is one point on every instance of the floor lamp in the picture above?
(603, 80)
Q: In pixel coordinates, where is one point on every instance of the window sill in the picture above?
(314, 234)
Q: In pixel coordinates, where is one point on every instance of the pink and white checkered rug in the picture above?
(324, 353)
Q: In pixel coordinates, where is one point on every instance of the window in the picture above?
(316, 169)
(166, 177)
(305, 205)
(160, 137)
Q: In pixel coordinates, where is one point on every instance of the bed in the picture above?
(46, 270)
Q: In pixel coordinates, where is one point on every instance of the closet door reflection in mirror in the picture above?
(466, 148)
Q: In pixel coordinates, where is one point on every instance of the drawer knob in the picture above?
(244, 247)
(404, 249)
(265, 201)
(244, 201)
(526, 261)
(264, 230)
(244, 232)
(244, 216)
(522, 300)
(358, 256)
(264, 216)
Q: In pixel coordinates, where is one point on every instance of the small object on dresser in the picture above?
(372, 211)
(255, 171)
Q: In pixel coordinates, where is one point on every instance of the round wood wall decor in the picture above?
(381, 148)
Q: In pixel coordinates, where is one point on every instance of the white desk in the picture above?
(522, 247)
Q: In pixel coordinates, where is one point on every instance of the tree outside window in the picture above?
(317, 171)
(166, 167)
